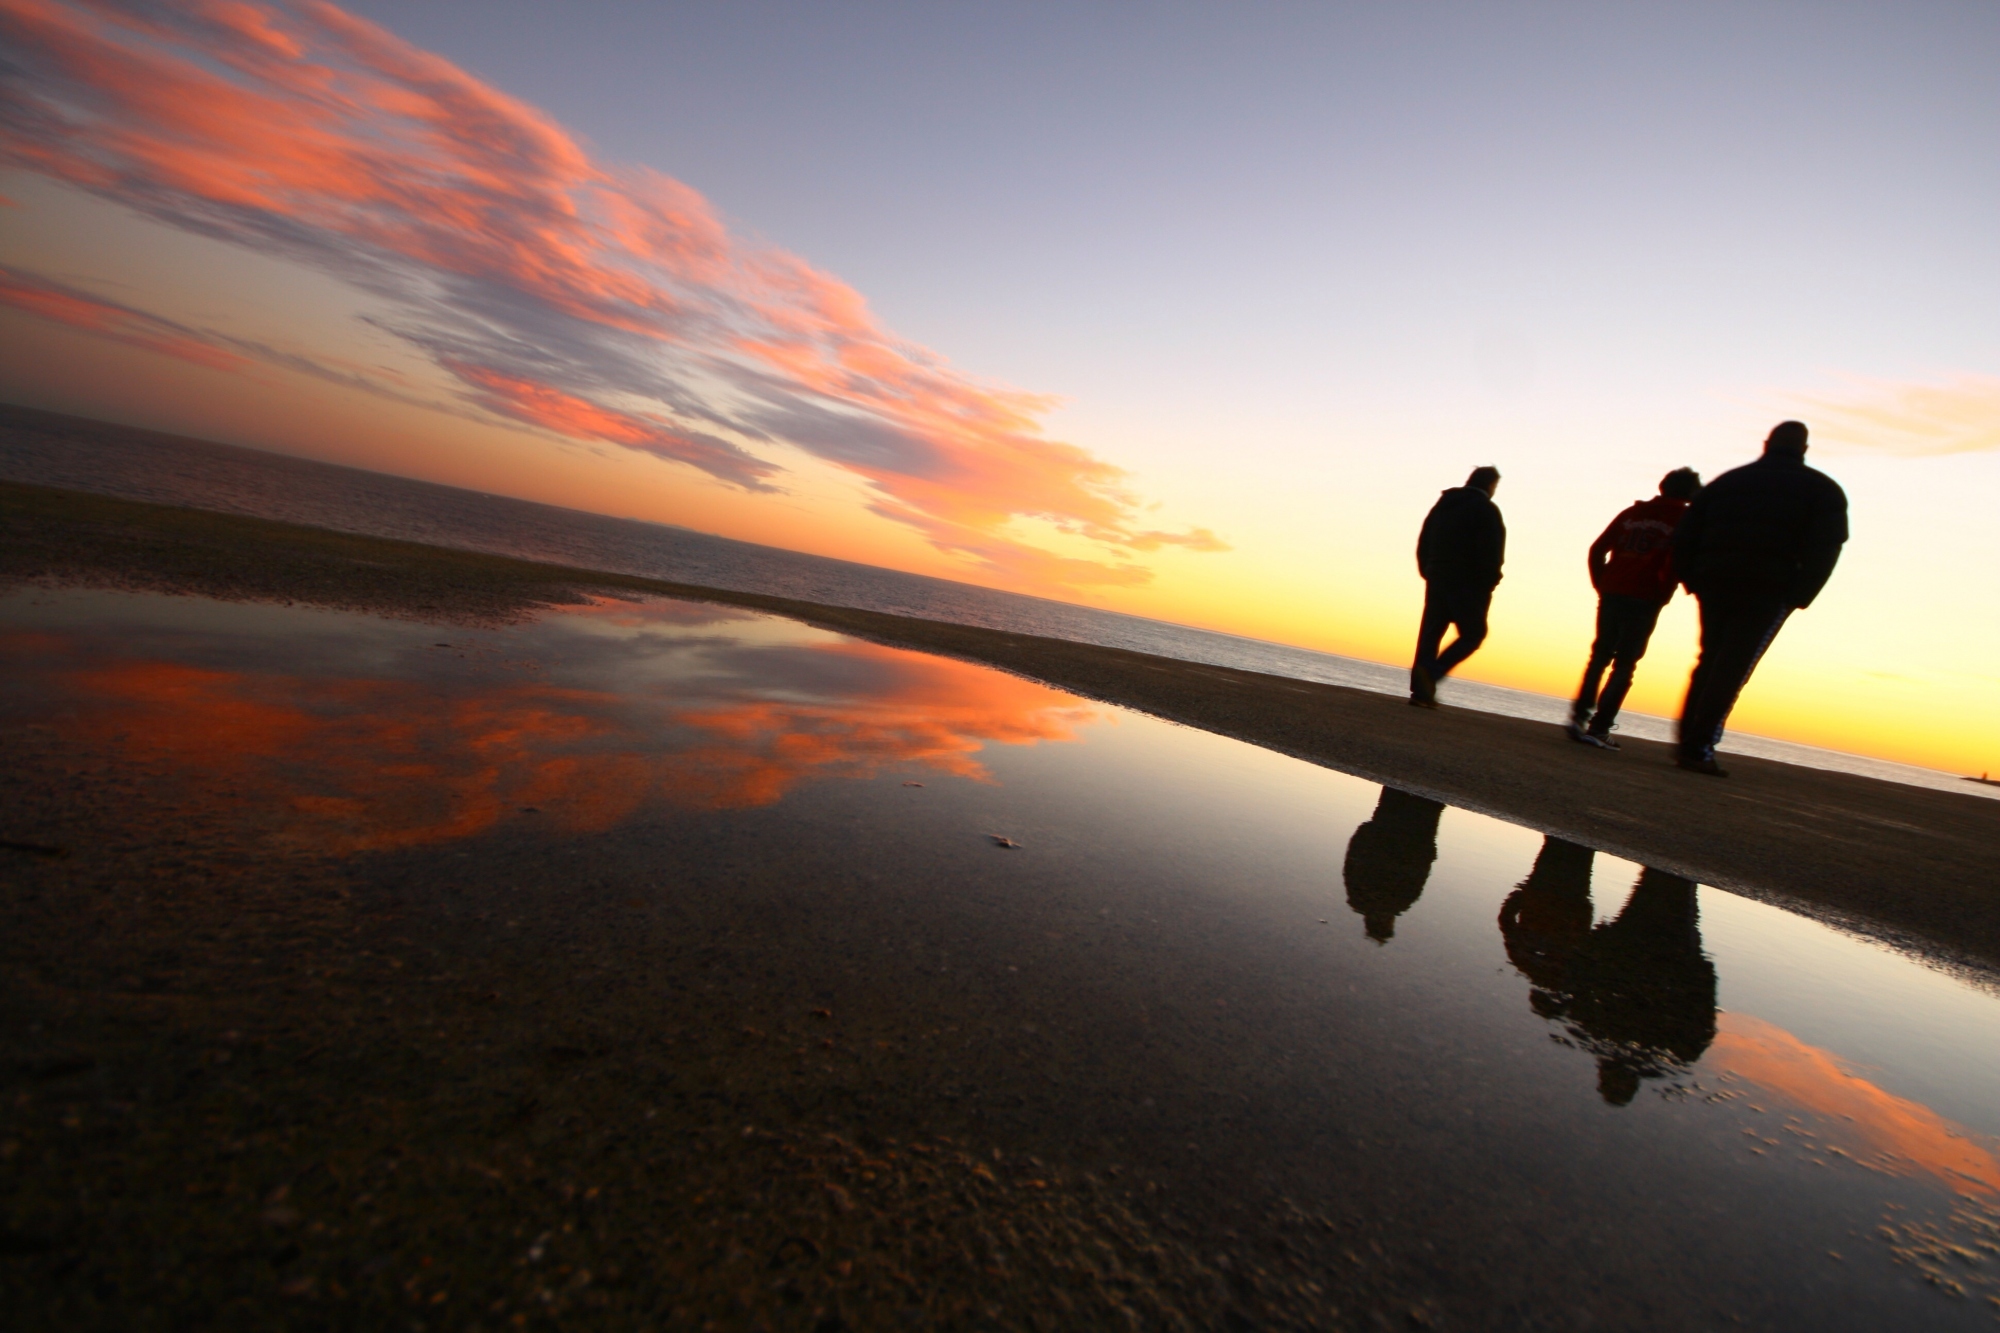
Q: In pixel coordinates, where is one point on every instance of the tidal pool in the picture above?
(636, 891)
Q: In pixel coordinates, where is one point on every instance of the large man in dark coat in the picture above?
(1459, 554)
(1756, 545)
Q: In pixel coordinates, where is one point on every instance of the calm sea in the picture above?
(53, 450)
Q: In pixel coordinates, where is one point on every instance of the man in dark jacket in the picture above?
(1459, 554)
(1632, 568)
(1756, 545)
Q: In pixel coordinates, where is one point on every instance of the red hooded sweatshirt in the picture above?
(1635, 556)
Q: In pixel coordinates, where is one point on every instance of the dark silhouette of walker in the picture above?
(1459, 553)
(1757, 544)
(1637, 991)
(1389, 860)
(1632, 569)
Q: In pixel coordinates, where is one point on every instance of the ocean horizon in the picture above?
(76, 453)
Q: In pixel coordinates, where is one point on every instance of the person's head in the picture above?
(1683, 483)
(1484, 479)
(1787, 437)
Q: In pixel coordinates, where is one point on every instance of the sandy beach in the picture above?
(1917, 868)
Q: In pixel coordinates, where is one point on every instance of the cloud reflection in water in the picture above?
(1638, 993)
(420, 746)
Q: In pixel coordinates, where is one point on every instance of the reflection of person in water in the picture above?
(1389, 858)
(1636, 991)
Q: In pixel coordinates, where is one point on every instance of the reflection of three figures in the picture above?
(1635, 991)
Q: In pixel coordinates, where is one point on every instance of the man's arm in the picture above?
(1496, 538)
(1688, 538)
(1600, 550)
(1427, 541)
(1826, 533)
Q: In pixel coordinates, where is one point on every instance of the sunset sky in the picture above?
(1187, 311)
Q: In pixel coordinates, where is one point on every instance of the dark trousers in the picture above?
(1736, 628)
(1448, 605)
(1624, 628)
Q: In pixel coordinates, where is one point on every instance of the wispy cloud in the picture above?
(120, 322)
(110, 319)
(1960, 415)
(603, 303)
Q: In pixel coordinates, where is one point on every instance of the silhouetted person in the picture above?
(1637, 992)
(1632, 568)
(1642, 984)
(1544, 921)
(1756, 545)
(1388, 860)
(1459, 553)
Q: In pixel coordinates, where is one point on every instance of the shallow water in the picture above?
(1516, 1082)
(166, 470)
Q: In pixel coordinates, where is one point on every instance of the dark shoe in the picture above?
(1419, 701)
(1423, 689)
(1705, 766)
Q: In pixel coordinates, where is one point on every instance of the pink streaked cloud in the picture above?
(1960, 415)
(109, 319)
(597, 302)
(540, 404)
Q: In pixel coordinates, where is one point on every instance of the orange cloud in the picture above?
(344, 764)
(550, 289)
(1957, 416)
(1899, 1135)
(579, 418)
(80, 310)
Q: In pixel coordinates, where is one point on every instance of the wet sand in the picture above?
(1917, 868)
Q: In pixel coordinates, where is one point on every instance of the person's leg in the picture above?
(1468, 613)
(1735, 632)
(1430, 631)
(1698, 710)
(1735, 637)
(1601, 653)
(1633, 619)
(1760, 627)
(1694, 702)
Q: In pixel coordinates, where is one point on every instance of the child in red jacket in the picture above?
(1632, 568)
